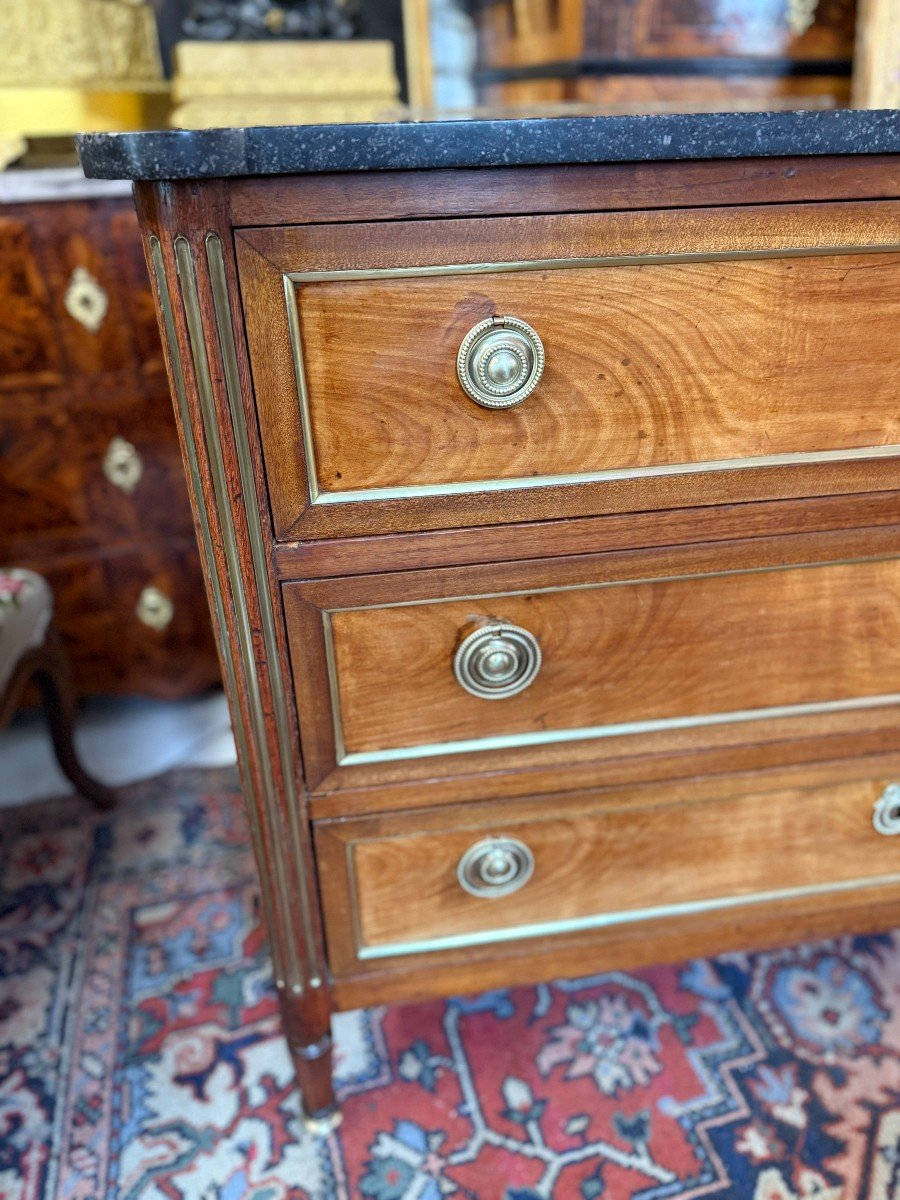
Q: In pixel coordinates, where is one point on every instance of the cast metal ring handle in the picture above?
(886, 817)
(500, 362)
(495, 866)
(154, 608)
(497, 660)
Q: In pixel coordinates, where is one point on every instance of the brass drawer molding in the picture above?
(154, 608)
(886, 817)
(614, 918)
(647, 786)
(500, 362)
(495, 867)
(497, 661)
(122, 465)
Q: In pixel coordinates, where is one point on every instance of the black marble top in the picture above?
(286, 150)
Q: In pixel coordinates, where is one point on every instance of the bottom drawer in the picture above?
(493, 873)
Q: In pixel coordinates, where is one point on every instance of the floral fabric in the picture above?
(26, 607)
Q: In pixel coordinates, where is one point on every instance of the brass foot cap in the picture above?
(320, 1124)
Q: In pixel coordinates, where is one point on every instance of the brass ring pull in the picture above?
(497, 661)
(495, 866)
(154, 608)
(886, 817)
(500, 362)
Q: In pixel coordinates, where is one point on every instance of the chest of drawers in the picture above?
(550, 526)
(92, 492)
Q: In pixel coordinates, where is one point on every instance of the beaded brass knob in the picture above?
(497, 661)
(495, 866)
(500, 362)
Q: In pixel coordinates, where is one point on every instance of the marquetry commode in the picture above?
(545, 476)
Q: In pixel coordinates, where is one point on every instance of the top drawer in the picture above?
(687, 357)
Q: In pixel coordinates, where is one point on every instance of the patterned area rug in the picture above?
(140, 1054)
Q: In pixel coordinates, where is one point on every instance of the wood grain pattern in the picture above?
(646, 366)
(588, 535)
(501, 191)
(677, 939)
(115, 653)
(29, 353)
(646, 760)
(617, 858)
(715, 229)
(876, 64)
(632, 653)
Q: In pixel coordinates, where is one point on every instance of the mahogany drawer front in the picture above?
(688, 646)
(677, 350)
(493, 873)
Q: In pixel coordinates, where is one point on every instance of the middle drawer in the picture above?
(567, 657)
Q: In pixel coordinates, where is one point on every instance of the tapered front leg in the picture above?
(307, 1026)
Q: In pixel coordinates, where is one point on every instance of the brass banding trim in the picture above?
(624, 729)
(614, 474)
(225, 333)
(293, 970)
(608, 260)
(318, 497)
(334, 691)
(608, 920)
(317, 1050)
(214, 588)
